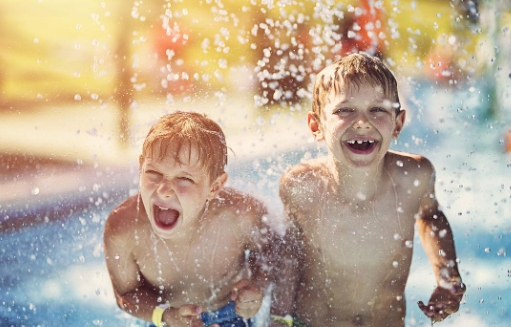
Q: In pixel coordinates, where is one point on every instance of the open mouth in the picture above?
(361, 146)
(165, 218)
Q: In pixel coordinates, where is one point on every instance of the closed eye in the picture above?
(153, 172)
(186, 179)
(379, 109)
(343, 110)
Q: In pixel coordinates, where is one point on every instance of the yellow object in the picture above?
(287, 320)
(157, 316)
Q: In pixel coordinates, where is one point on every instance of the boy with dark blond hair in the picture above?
(353, 212)
(187, 251)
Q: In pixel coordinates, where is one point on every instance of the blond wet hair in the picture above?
(350, 72)
(192, 131)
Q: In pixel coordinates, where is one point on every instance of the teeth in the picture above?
(161, 208)
(360, 142)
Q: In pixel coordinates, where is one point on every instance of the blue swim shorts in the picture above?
(225, 317)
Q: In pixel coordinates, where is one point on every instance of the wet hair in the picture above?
(352, 71)
(192, 130)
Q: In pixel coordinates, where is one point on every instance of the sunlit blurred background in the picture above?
(81, 82)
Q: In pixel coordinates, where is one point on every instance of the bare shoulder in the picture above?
(304, 173)
(303, 179)
(408, 166)
(122, 219)
(236, 203)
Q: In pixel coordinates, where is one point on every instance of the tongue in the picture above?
(361, 147)
(167, 217)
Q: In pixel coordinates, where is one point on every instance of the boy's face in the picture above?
(357, 125)
(175, 192)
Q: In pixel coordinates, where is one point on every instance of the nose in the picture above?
(361, 122)
(165, 189)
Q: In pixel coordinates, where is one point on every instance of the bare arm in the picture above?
(286, 272)
(288, 255)
(438, 242)
(132, 292)
(249, 292)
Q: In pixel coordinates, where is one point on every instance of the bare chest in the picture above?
(371, 233)
(193, 271)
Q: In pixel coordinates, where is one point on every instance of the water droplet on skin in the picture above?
(399, 163)
(35, 191)
(416, 183)
(442, 233)
(395, 264)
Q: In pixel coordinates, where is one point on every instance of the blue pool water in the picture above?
(53, 273)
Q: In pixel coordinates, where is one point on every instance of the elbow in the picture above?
(122, 303)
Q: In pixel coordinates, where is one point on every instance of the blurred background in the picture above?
(81, 82)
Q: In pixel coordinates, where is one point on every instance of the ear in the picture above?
(217, 186)
(400, 122)
(313, 122)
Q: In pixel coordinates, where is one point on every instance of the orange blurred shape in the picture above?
(440, 64)
(363, 30)
(173, 39)
(507, 140)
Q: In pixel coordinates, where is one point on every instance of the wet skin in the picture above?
(354, 212)
(184, 241)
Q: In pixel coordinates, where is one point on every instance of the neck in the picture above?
(356, 183)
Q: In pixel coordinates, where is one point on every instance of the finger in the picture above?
(250, 293)
(239, 285)
(248, 302)
(422, 306)
(436, 312)
(428, 310)
(246, 313)
(195, 322)
(187, 310)
(248, 308)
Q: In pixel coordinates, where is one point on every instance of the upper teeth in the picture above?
(161, 208)
(359, 141)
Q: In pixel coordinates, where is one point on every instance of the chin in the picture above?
(164, 233)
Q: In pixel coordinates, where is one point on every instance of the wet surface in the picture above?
(38, 189)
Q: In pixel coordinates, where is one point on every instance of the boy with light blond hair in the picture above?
(353, 212)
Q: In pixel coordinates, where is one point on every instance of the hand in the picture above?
(443, 302)
(248, 297)
(187, 315)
